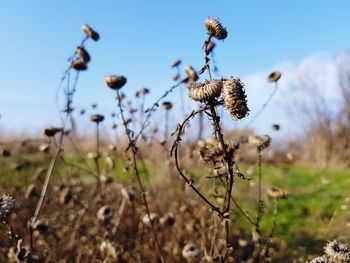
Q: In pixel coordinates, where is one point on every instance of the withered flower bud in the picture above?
(89, 32)
(115, 82)
(191, 253)
(235, 98)
(260, 141)
(215, 28)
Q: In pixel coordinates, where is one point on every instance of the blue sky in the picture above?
(140, 39)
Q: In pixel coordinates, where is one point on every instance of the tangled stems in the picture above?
(133, 148)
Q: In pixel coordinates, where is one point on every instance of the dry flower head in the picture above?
(205, 91)
(215, 28)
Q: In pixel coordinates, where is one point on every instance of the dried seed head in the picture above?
(167, 105)
(210, 152)
(277, 193)
(89, 32)
(153, 217)
(50, 132)
(274, 76)
(168, 219)
(235, 99)
(84, 55)
(115, 82)
(105, 214)
(205, 91)
(337, 251)
(108, 250)
(125, 122)
(215, 28)
(144, 90)
(132, 110)
(7, 205)
(176, 77)
(190, 252)
(176, 63)
(209, 47)
(97, 118)
(79, 65)
(114, 126)
(191, 73)
(259, 141)
(44, 147)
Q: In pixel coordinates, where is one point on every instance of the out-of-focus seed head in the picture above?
(209, 47)
(191, 73)
(176, 77)
(167, 105)
(94, 105)
(83, 54)
(261, 142)
(89, 32)
(114, 126)
(79, 65)
(235, 99)
(97, 118)
(65, 196)
(144, 90)
(274, 76)
(337, 251)
(322, 259)
(7, 205)
(132, 110)
(215, 28)
(276, 127)
(82, 112)
(168, 219)
(204, 91)
(5, 153)
(153, 217)
(128, 194)
(30, 192)
(277, 193)
(115, 82)
(191, 253)
(52, 131)
(107, 250)
(126, 122)
(176, 63)
(105, 214)
(93, 155)
(44, 147)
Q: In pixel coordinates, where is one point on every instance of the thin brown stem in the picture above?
(259, 201)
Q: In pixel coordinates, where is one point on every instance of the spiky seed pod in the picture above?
(153, 217)
(277, 193)
(50, 132)
(89, 32)
(261, 142)
(105, 213)
(115, 82)
(79, 65)
(191, 253)
(204, 91)
(215, 28)
(274, 76)
(209, 47)
(191, 73)
(337, 251)
(322, 259)
(7, 205)
(84, 55)
(97, 118)
(235, 99)
(167, 105)
(176, 63)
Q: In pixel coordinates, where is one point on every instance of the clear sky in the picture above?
(140, 39)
